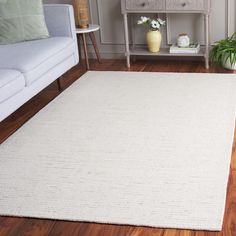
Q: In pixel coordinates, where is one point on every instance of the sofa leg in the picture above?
(59, 84)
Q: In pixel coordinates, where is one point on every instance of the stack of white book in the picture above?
(193, 48)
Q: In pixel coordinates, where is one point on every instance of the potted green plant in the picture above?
(223, 53)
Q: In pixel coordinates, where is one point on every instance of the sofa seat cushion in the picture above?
(11, 83)
(35, 58)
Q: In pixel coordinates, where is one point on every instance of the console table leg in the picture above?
(207, 40)
(128, 61)
(207, 62)
(127, 40)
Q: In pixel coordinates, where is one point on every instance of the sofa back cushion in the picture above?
(22, 20)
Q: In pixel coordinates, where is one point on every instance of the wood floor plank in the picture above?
(31, 227)
(171, 232)
(87, 229)
(11, 226)
(186, 233)
(145, 231)
(204, 233)
(229, 226)
(67, 228)
(233, 159)
(8, 224)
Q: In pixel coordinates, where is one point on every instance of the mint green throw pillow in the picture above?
(22, 20)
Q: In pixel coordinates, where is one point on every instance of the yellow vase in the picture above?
(154, 40)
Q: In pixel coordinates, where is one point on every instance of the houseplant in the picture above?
(223, 53)
(153, 35)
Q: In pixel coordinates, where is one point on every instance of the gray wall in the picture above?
(107, 14)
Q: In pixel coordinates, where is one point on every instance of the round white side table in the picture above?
(82, 35)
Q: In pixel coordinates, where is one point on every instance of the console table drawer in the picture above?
(145, 4)
(185, 5)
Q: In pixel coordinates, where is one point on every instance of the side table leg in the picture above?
(93, 40)
(79, 46)
(85, 51)
(127, 53)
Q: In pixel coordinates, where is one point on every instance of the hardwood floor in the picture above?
(13, 226)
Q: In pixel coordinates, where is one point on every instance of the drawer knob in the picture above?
(143, 4)
(184, 4)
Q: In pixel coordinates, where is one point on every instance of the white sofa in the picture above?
(28, 67)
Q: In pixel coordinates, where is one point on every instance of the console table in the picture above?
(168, 7)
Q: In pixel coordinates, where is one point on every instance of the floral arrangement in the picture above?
(153, 24)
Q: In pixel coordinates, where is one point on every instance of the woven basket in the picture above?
(81, 9)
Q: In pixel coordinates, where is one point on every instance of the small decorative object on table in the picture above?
(183, 40)
(81, 10)
(153, 35)
(223, 52)
(193, 48)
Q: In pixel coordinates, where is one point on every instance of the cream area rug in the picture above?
(149, 149)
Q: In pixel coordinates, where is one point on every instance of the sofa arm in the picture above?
(60, 20)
